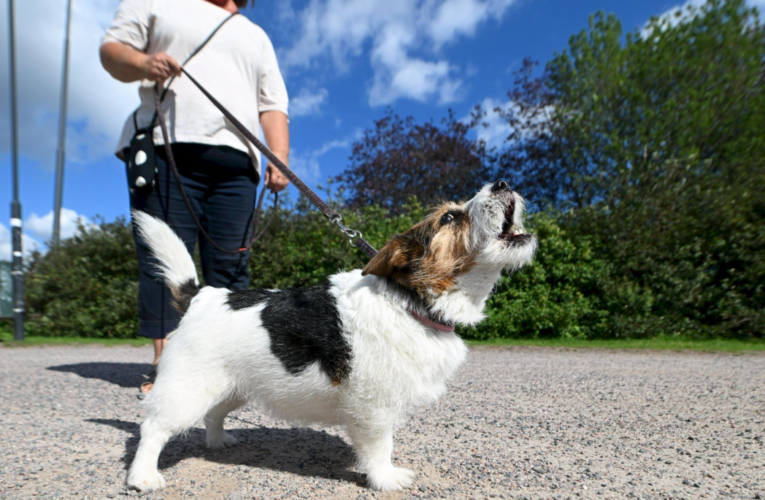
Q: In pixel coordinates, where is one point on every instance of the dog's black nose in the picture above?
(500, 186)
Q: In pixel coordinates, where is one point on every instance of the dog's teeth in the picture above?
(516, 233)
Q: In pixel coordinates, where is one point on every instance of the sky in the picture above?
(344, 62)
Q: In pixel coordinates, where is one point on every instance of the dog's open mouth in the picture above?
(512, 235)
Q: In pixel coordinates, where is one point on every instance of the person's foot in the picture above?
(146, 387)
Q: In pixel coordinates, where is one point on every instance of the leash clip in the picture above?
(337, 220)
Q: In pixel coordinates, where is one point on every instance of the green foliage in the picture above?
(559, 295)
(677, 118)
(655, 144)
(6, 328)
(86, 287)
(301, 248)
(649, 146)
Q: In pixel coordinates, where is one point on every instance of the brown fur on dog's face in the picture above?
(429, 256)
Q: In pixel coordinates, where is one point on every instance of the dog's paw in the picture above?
(223, 440)
(146, 480)
(390, 479)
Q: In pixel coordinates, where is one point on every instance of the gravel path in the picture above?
(516, 423)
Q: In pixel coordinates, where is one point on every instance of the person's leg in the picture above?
(157, 315)
(159, 344)
(227, 216)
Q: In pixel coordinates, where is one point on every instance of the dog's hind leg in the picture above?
(217, 438)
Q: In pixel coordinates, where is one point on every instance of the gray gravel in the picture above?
(516, 423)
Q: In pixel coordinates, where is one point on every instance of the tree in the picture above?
(658, 144)
(87, 286)
(399, 160)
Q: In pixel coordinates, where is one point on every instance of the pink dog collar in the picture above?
(438, 326)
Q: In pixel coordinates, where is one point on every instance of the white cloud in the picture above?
(679, 13)
(307, 103)
(405, 37)
(306, 165)
(672, 16)
(98, 104)
(413, 79)
(42, 227)
(493, 130)
(6, 243)
(462, 17)
(38, 229)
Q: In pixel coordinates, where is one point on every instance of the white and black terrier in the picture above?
(360, 350)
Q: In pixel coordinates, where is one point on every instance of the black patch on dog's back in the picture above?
(303, 325)
(242, 299)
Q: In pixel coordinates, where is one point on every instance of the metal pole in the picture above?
(18, 265)
(60, 152)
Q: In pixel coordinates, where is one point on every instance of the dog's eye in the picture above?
(447, 219)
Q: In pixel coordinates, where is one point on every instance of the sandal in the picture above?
(150, 378)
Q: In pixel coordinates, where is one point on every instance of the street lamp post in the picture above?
(18, 264)
(60, 152)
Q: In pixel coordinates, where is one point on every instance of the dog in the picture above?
(361, 350)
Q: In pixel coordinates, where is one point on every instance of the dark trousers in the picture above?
(222, 185)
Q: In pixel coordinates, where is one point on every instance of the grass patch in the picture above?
(7, 340)
(660, 343)
(656, 344)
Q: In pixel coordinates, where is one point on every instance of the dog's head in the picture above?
(459, 246)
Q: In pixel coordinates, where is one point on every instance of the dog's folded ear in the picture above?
(394, 257)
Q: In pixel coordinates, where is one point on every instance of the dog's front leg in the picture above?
(373, 440)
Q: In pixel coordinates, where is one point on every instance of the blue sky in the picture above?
(344, 62)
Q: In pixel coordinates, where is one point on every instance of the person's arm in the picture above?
(127, 64)
(275, 125)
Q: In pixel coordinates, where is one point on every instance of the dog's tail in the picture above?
(175, 264)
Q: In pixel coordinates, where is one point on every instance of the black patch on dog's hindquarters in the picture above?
(184, 294)
(303, 325)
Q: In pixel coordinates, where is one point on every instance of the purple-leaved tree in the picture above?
(399, 160)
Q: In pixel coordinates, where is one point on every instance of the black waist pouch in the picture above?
(141, 161)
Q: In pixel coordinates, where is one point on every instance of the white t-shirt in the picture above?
(238, 67)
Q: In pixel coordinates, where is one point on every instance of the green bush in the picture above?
(87, 287)
(558, 295)
(575, 288)
(301, 248)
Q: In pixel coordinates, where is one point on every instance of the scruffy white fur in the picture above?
(220, 359)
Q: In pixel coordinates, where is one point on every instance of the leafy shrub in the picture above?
(301, 248)
(558, 295)
(87, 287)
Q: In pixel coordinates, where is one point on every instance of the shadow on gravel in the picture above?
(305, 452)
(121, 374)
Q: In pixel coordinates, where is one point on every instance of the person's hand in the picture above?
(159, 67)
(275, 180)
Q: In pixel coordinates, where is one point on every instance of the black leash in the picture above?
(329, 212)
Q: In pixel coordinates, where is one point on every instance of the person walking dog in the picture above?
(219, 169)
